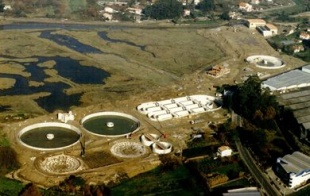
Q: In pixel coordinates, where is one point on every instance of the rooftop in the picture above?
(223, 148)
(296, 162)
(257, 20)
(271, 26)
(289, 79)
(299, 103)
(306, 67)
(247, 191)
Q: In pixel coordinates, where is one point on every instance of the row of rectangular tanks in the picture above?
(178, 107)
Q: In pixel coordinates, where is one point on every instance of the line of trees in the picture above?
(164, 9)
(253, 102)
(172, 9)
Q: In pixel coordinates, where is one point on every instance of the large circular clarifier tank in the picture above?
(49, 136)
(110, 124)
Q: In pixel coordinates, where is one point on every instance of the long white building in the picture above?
(294, 169)
(293, 79)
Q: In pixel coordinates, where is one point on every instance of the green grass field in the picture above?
(10, 187)
(158, 182)
(75, 5)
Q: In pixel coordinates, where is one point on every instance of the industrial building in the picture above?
(247, 191)
(293, 169)
(290, 80)
(298, 102)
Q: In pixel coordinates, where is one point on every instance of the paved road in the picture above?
(255, 171)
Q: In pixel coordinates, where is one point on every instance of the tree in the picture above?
(30, 190)
(245, 98)
(1, 6)
(225, 15)
(8, 159)
(253, 102)
(206, 5)
(164, 9)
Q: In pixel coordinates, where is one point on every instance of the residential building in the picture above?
(224, 151)
(186, 12)
(293, 169)
(254, 23)
(298, 48)
(134, 10)
(245, 7)
(272, 28)
(304, 35)
(7, 7)
(255, 2)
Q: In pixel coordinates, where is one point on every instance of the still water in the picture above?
(66, 67)
(62, 137)
(122, 125)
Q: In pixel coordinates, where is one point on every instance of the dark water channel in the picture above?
(67, 68)
(69, 42)
(104, 36)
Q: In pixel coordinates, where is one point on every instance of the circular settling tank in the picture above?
(128, 149)
(266, 62)
(49, 136)
(111, 124)
(59, 164)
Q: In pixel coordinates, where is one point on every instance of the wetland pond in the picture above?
(66, 68)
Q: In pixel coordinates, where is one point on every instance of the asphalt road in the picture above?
(255, 171)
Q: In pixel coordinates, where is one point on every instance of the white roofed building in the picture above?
(306, 68)
(247, 191)
(245, 7)
(293, 169)
(304, 35)
(272, 28)
(7, 7)
(253, 23)
(224, 151)
(289, 80)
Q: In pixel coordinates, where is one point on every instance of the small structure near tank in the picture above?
(65, 117)
(158, 147)
(149, 139)
(161, 147)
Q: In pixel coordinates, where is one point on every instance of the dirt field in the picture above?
(172, 64)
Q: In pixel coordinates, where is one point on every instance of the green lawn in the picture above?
(10, 187)
(4, 142)
(159, 182)
(227, 168)
(77, 4)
